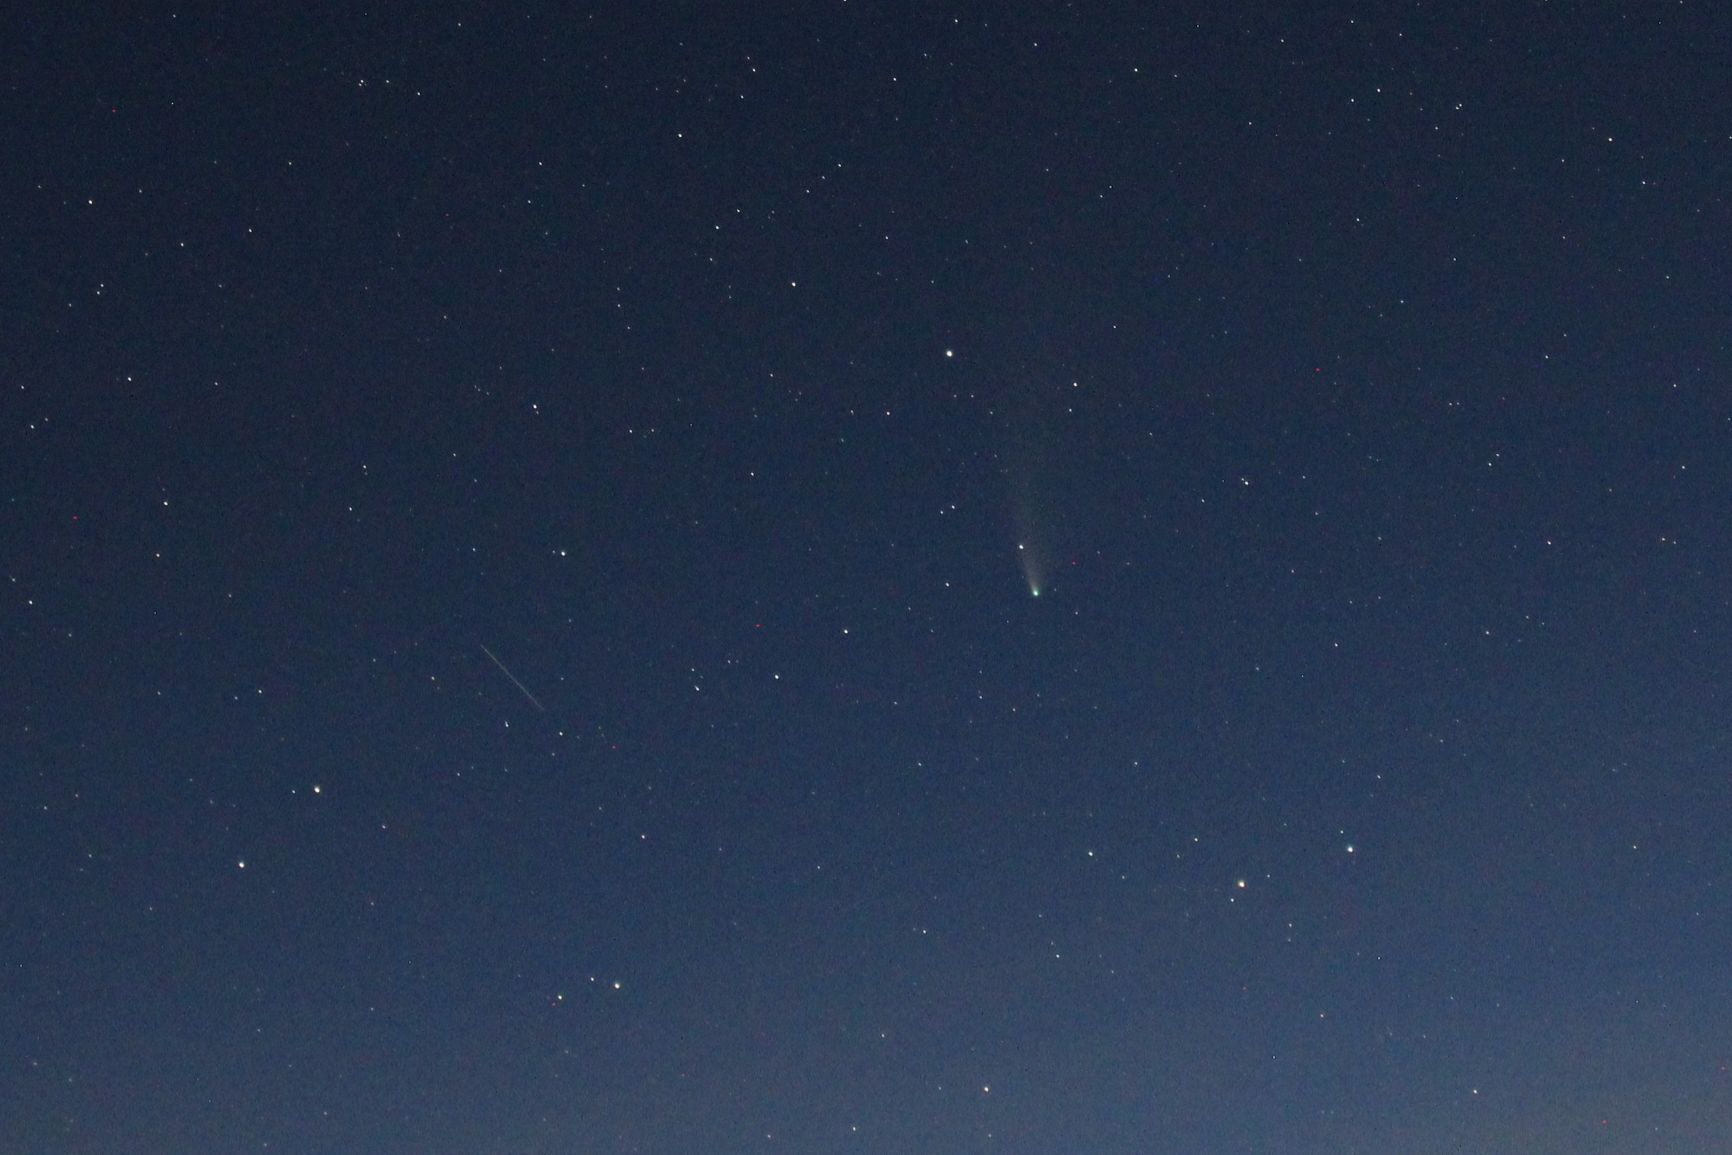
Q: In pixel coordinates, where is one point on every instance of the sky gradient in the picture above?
(520, 530)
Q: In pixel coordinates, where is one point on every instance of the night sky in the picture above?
(856, 577)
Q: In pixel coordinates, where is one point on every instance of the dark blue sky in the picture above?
(519, 525)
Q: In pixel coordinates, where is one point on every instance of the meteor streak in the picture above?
(514, 681)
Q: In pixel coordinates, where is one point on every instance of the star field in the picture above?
(869, 578)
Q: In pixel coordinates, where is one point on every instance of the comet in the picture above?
(532, 699)
(1031, 568)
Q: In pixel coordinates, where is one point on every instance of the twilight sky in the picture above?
(855, 578)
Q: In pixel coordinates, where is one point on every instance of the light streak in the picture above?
(514, 681)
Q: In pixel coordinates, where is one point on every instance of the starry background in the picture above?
(521, 526)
